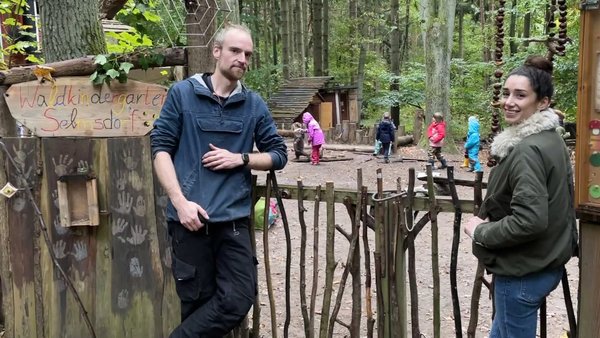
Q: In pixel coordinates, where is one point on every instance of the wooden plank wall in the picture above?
(21, 254)
(120, 269)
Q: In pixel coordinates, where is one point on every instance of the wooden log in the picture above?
(404, 140)
(285, 132)
(86, 66)
(345, 130)
(412, 275)
(352, 132)
(367, 254)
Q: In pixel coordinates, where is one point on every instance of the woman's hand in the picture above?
(471, 224)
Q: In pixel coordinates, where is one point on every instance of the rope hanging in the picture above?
(556, 46)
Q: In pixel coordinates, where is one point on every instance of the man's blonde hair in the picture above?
(220, 36)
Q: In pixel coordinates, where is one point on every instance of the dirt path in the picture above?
(343, 174)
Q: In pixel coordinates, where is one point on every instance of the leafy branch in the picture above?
(116, 66)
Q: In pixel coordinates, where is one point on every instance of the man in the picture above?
(201, 145)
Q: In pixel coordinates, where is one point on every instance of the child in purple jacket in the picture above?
(315, 136)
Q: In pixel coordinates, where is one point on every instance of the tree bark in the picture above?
(285, 38)
(512, 29)
(109, 8)
(317, 24)
(526, 29)
(200, 29)
(70, 29)
(438, 27)
(395, 56)
(325, 39)
(299, 34)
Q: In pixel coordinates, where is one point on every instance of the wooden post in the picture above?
(588, 207)
(434, 253)
(8, 125)
(329, 258)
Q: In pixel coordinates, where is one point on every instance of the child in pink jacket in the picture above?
(436, 133)
(315, 136)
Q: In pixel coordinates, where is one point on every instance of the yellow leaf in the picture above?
(43, 73)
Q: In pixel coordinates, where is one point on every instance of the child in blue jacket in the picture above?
(386, 135)
(472, 145)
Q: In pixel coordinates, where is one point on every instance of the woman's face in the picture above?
(519, 101)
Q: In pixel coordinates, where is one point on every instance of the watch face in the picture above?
(245, 158)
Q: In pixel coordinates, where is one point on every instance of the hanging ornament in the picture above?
(8, 190)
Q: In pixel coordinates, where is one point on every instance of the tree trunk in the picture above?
(274, 37)
(512, 29)
(395, 56)
(526, 28)
(461, 16)
(305, 35)
(70, 29)
(200, 29)
(285, 38)
(256, 30)
(438, 27)
(299, 37)
(109, 8)
(317, 24)
(325, 39)
(353, 16)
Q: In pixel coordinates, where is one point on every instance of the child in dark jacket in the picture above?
(386, 135)
(436, 133)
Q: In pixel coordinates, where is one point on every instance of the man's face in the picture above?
(233, 56)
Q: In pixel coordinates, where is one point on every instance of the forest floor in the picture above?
(343, 174)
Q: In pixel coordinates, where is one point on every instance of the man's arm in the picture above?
(187, 211)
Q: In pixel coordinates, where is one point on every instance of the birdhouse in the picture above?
(78, 200)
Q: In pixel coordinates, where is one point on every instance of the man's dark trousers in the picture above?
(215, 277)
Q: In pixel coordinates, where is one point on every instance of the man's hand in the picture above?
(472, 223)
(217, 159)
(189, 214)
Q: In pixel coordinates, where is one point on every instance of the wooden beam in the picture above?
(85, 66)
(419, 203)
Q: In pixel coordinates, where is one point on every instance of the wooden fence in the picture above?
(114, 280)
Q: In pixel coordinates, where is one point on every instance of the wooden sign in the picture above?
(73, 106)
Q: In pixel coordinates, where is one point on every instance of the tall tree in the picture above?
(70, 29)
(395, 56)
(200, 29)
(325, 40)
(437, 21)
(285, 38)
(317, 29)
(513, 28)
(299, 35)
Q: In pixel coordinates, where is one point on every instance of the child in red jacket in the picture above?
(436, 133)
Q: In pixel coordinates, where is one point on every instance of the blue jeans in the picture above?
(517, 300)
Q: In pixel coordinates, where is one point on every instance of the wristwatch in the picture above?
(245, 159)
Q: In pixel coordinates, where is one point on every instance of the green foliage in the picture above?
(126, 42)
(19, 39)
(109, 67)
(265, 80)
(157, 21)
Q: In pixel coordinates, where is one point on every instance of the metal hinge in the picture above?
(589, 4)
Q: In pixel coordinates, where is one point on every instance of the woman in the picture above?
(525, 232)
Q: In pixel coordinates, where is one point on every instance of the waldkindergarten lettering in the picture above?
(63, 105)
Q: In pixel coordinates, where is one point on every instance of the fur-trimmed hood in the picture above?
(511, 136)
